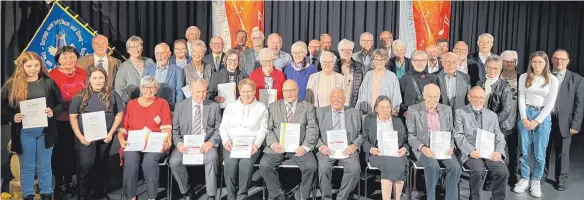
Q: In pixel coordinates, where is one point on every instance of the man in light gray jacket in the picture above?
(284, 113)
(467, 122)
(196, 116)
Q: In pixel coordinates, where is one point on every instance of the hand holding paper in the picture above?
(34, 113)
(440, 143)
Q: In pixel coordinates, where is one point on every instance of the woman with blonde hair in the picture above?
(34, 146)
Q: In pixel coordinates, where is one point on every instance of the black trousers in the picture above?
(513, 154)
(561, 147)
(92, 165)
(64, 159)
(499, 176)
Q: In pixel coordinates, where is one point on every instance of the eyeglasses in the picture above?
(378, 59)
(266, 61)
(232, 60)
(297, 53)
(419, 60)
(560, 59)
(346, 50)
(149, 87)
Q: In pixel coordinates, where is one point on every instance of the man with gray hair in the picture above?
(192, 34)
(275, 44)
(326, 44)
(249, 57)
(364, 56)
(465, 65)
(385, 42)
(168, 75)
(314, 51)
(485, 43)
(215, 57)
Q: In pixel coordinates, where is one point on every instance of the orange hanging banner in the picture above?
(423, 22)
(230, 16)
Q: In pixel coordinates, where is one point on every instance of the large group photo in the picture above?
(291, 100)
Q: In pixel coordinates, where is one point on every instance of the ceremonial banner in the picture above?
(422, 22)
(229, 16)
(60, 28)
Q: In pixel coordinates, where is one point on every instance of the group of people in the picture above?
(364, 93)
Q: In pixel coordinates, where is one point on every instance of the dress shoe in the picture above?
(63, 193)
(46, 196)
(561, 186)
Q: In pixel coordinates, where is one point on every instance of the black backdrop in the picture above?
(522, 26)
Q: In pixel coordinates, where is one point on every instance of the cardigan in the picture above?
(390, 88)
(127, 83)
(54, 101)
(257, 76)
(301, 77)
(312, 86)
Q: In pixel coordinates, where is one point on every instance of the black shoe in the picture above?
(561, 186)
(46, 196)
(63, 193)
(488, 186)
(211, 198)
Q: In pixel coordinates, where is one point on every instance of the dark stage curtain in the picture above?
(522, 26)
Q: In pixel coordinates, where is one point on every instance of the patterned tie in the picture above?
(337, 121)
(290, 113)
(100, 63)
(197, 121)
(217, 63)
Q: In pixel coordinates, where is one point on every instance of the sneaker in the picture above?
(521, 186)
(535, 189)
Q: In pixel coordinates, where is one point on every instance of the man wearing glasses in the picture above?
(412, 84)
(364, 56)
(566, 116)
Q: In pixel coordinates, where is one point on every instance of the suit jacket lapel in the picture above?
(424, 119)
(169, 75)
(567, 76)
(283, 111)
(206, 109)
(110, 64)
(298, 112)
(189, 114)
(443, 88)
(328, 118)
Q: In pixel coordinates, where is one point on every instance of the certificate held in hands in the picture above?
(136, 140)
(387, 141)
(289, 137)
(155, 142)
(241, 146)
(268, 96)
(337, 143)
(34, 113)
(227, 91)
(440, 144)
(485, 143)
(94, 127)
(193, 144)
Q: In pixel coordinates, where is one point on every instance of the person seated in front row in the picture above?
(332, 118)
(244, 117)
(467, 121)
(147, 112)
(196, 116)
(422, 119)
(393, 168)
(290, 111)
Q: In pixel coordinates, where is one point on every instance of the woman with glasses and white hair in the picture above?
(299, 70)
(377, 82)
(147, 112)
(128, 77)
(197, 69)
(321, 84)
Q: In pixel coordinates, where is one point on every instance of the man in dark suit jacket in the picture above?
(454, 85)
(215, 58)
(466, 65)
(99, 58)
(196, 116)
(566, 116)
(326, 44)
(313, 56)
(288, 112)
(485, 43)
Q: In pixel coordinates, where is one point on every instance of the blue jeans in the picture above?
(539, 138)
(35, 155)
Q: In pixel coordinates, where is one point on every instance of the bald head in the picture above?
(198, 90)
(431, 95)
(275, 42)
(290, 90)
(193, 33)
(99, 44)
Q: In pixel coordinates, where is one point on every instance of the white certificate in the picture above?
(186, 91)
(34, 113)
(241, 146)
(155, 142)
(193, 144)
(387, 141)
(136, 140)
(289, 136)
(485, 143)
(440, 144)
(268, 96)
(337, 143)
(227, 91)
(94, 127)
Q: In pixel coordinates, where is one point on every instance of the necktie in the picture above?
(477, 115)
(290, 113)
(217, 62)
(100, 63)
(313, 60)
(197, 121)
(337, 121)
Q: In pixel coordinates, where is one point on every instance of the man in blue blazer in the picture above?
(168, 75)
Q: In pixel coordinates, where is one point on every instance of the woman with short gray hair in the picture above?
(299, 70)
(352, 71)
(147, 112)
(127, 79)
(197, 69)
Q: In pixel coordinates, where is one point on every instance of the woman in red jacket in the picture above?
(267, 78)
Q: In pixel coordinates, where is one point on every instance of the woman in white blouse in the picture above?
(538, 90)
(320, 84)
(245, 117)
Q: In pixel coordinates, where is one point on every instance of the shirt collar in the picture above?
(381, 121)
(341, 111)
(95, 57)
(161, 67)
(562, 72)
(431, 111)
(196, 104)
(291, 104)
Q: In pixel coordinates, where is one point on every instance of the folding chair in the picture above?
(417, 165)
(369, 167)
